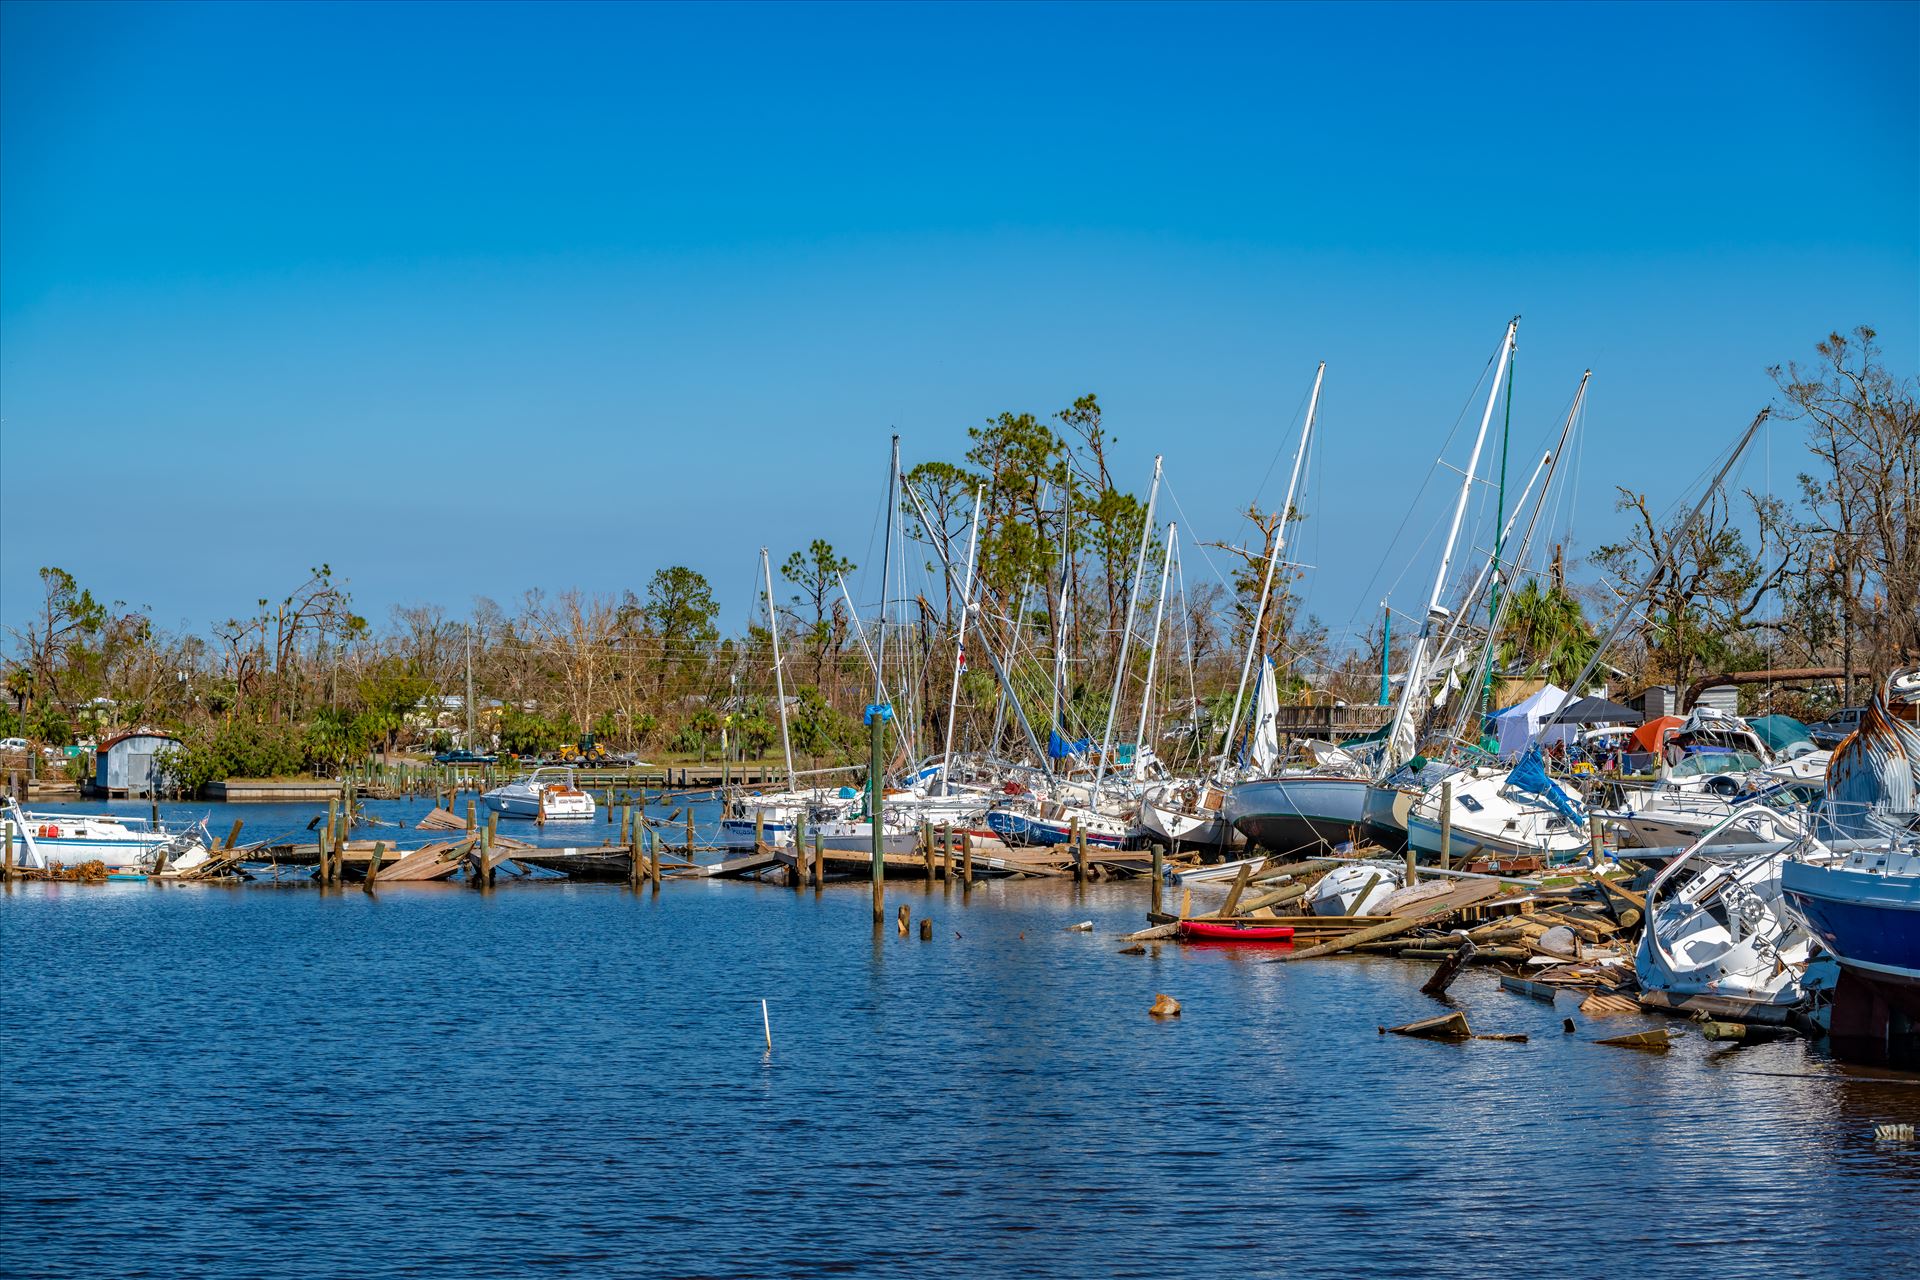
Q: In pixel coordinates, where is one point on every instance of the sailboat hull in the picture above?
(1287, 815)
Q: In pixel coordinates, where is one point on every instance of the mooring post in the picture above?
(326, 846)
(878, 714)
(6, 869)
(1413, 873)
(926, 849)
(966, 862)
(759, 830)
(819, 861)
(946, 854)
(373, 864)
(472, 821)
(1446, 825)
(689, 830)
(658, 844)
(1159, 878)
(1594, 840)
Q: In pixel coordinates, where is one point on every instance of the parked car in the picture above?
(1835, 728)
(462, 756)
(14, 744)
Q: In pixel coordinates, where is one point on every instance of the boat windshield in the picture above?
(1703, 763)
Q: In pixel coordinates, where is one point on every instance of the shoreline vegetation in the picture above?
(1826, 578)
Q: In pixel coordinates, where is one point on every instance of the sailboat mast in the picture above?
(960, 638)
(1416, 663)
(1279, 542)
(1006, 685)
(1126, 628)
(1628, 605)
(886, 574)
(1153, 645)
(779, 680)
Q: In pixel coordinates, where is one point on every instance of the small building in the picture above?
(1663, 700)
(124, 765)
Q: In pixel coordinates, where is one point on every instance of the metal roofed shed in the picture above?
(124, 765)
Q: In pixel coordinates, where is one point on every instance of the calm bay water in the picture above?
(572, 1080)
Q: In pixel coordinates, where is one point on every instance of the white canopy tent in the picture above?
(1519, 725)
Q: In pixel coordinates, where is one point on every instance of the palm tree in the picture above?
(1547, 630)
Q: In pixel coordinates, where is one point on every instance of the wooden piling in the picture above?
(472, 822)
(759, 830)
(1159, 877)
(233, 834)
(6, 868)
(373, 865)
(333, 820)
(1413, 873)
(926, 848)
(636, 864)
(689, 831)
(1239, 887)
(946, 854)
(1594, 840)
(905, 918)
(926, 929)
(966, 861)
(1079, 850)
(819, 860)
(1446, 825)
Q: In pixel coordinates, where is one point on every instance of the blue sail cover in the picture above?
(1058, 748)
(1530, 776)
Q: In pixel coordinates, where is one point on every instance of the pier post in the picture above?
(966, 862)
(1159, 878)
(759, 830)
(373, 865)
(1594, 840)
(1413, 873)
(472, 821)
(1446, 825)
(326, 845)
(819, 860)
(689, 830)
(926, 849)
(946, 854)
(233, 834)
(635, 865)
(654, 869)
(7, 867)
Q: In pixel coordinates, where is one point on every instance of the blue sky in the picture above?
(626, 287)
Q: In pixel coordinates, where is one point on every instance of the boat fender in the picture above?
(49, 832)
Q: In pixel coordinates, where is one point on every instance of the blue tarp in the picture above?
(1058, 748)
(1530, 776)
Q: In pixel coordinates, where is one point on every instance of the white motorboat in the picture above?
(548, 794)
(119, 843)
(1187, 814)
(1718, 925)
(1494, 815)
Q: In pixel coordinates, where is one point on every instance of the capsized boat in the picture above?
(1354, 889)
(544, 793)
(1719, 929)
(120, 843)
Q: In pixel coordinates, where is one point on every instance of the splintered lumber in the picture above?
(1528, 987)
(1448, 1026)
(441, 820)
(1752, 1033)
(1449, 969)
(1602, 1006)
(1422, 915)
(1239, 887)
(1654, 1041)
(1273, 899)
(1153, 934)
(429, 862)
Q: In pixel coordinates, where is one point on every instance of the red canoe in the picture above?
(1217, 931)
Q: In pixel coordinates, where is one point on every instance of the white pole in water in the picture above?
(960, 636)
(766, 1025)
(779, 681)
(1417, 661)
(1273, 559)
(1153, 650)
(1126, 632)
